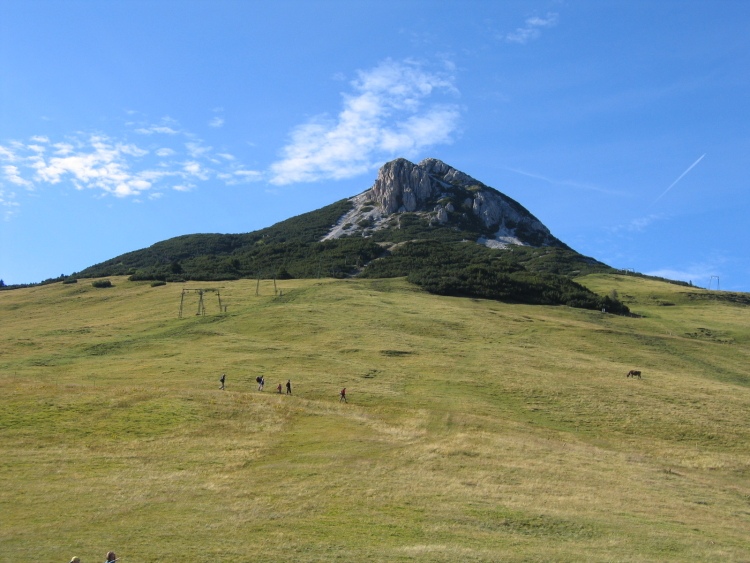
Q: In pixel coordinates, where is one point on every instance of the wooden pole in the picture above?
(201, 308)
(182, 298)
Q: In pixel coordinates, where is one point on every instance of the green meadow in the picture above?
(475, 430)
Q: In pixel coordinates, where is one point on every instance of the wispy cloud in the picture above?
(387, 113)
(12, 175)
(115, 166)
(642, 223)
(216, 122)
(563, 183)
(8, 204)
(160, 129)
(699, 274)
(532, 28)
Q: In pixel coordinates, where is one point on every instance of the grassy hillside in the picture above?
(475, 430)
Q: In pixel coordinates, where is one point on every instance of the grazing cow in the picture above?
(634, 373)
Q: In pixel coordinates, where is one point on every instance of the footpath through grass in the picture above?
(475, 430)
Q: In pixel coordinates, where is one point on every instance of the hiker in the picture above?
(279, 389)
(343, 395)
(288, 386)
(111, 557)
(75, 560)
(261, 382)
(222, 379)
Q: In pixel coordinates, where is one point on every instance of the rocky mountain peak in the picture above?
(404, 186)
(445, 196)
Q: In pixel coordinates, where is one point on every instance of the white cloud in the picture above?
(248, 173)
(641, 223)
(13, 176)
(698, 274)
(638, 225)
(63, 149)
(386, 115)
(118, 167)
(532, 29)
(132, 150)
(242, 176)
(161, 129)
(197, 149)
(8, 205)
(216, 122)
(7, 154)
(192, 168)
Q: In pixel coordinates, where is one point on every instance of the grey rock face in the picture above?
(442, 215)
(401, 184)
(431, 188)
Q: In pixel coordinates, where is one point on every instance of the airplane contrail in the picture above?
(678, 179)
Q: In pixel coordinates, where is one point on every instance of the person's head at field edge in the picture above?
(111, 556)
(75, 560)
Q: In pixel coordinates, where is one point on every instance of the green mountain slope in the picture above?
(524, 274)
(446, 231)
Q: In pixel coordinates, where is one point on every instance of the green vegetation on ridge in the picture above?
(433, 256)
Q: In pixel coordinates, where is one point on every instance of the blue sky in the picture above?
(623, 126)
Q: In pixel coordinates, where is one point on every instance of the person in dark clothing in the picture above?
(223, 378)
(288, 386)
(342, 394)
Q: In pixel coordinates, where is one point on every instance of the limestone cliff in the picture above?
(441, 194)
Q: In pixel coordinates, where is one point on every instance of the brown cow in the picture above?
(634, 373)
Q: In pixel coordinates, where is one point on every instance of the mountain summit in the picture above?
(445, 196)
(434, 225)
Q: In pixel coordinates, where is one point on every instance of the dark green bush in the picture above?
(283, 274)
(101, 283)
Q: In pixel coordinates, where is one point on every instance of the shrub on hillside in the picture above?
(101, 283)
(283, 274)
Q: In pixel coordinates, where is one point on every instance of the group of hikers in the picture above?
(111, 557)
(261, 381)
